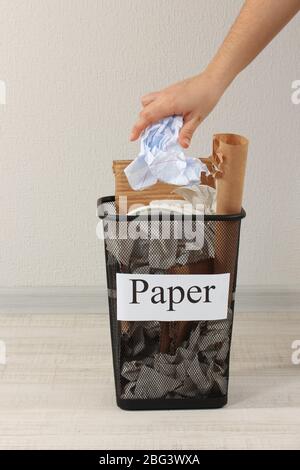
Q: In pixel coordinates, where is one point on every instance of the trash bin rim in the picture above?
(128, 218)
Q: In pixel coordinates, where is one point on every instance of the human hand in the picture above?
(193, 98)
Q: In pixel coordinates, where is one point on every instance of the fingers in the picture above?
(155, 111)
(138, 128)
(149, 98)
(187, 131)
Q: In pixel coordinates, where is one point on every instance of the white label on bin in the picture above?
(172, 297)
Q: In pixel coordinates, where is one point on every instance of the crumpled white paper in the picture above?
(161, 158)
(198, 196)
(166, 206)
(197, 199)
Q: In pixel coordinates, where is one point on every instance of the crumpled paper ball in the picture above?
(161, 158)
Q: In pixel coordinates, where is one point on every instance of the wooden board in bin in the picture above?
(145, 196)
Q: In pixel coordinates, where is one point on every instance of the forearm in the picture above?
(257, 24)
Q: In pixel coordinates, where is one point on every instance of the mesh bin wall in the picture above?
(177, 364)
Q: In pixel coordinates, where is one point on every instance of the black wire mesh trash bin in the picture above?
(170, 364)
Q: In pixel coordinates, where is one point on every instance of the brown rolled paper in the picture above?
(229, 160)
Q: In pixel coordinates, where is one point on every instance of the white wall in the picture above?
(74, 71)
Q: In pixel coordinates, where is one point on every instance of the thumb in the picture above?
(187, 131)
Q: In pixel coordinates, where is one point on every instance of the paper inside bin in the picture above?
(198, 366)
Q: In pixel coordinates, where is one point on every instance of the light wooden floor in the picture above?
(56, 390)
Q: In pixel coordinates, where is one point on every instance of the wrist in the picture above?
(220, 75)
